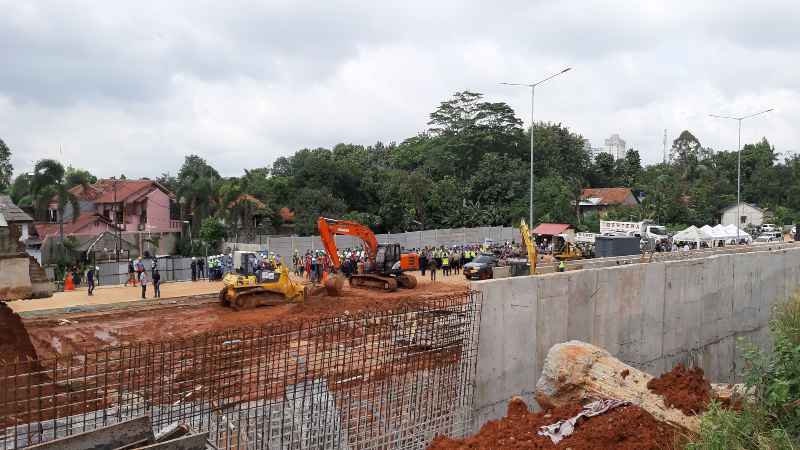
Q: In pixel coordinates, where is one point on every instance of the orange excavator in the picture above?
(385, 267)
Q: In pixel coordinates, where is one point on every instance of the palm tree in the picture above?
(198, 185)
(49, 183)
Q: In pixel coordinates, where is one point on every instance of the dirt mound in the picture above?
(15, 344)
(627, 428)
(682, 388)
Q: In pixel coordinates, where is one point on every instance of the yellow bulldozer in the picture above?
(275, 288)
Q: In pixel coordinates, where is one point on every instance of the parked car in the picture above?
(768, 237)
(481, 268)
(768, 228)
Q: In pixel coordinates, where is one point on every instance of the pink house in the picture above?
(116, 205)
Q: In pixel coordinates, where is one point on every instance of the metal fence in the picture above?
(171, 269)
(381, 380)
(286, 245)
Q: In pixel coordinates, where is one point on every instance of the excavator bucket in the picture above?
(334, 285)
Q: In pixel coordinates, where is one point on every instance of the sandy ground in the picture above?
(52, 336)
(114, 294)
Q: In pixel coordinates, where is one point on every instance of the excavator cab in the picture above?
(387, 259)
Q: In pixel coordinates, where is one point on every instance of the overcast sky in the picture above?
(132, 87)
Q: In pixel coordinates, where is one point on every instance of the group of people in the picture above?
(314, 264)
(137, 273)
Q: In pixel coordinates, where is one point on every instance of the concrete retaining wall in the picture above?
(651, 316)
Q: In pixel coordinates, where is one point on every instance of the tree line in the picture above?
(470, 167)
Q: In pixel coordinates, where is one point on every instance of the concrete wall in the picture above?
(650, 315)
(285, 245)
(15, 280)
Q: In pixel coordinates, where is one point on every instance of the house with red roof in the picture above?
(601, 199)
(129, 208)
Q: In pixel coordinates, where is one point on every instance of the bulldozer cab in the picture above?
(270, 276)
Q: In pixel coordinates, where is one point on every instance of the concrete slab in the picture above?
(581, 301)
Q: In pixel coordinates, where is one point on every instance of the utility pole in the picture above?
(665, 146)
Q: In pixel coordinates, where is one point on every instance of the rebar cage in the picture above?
(391, 379)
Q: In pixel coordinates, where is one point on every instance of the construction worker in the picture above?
(131, 274)
(432, 266)
(445, 265)
(562, 266)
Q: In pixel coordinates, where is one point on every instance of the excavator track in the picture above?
(406, 281)
(372, 281)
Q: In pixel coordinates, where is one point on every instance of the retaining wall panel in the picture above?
(581, 303)
(551, 315)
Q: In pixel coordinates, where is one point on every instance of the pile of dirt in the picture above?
(15, 344)
(626, 428)
(682, 388)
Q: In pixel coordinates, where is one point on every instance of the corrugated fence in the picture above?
(286, 245)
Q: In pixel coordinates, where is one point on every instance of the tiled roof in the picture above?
(605, 196)
(126, 190)
(12, 212)
(551, 229)
(70, 227)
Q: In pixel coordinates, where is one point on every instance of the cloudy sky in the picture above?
(131, 87)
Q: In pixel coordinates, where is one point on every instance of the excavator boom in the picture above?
(329, 228)
(526, 239)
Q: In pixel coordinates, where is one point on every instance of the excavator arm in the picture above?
(526, 239)
(329, 228)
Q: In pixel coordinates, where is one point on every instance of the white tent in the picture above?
(692, 234)
(731, 229)
(716, 233)
(719, 230)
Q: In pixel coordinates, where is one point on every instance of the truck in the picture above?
(643, 229)
(647, 231)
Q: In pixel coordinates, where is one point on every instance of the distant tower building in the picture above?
(593, 151)
(615, 145)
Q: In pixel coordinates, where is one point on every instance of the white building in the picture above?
(748, 215)
(616, 146)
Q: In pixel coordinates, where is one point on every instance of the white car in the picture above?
(768, 228)
(768, 237)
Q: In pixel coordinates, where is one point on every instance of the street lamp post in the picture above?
(739, 163)
(533, 96)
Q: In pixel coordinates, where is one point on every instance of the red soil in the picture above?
(683, 388)
(91, 331)
(15, 344)
(626, 428)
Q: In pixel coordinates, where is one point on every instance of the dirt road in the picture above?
(54, 336)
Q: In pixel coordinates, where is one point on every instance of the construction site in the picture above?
(441, 364)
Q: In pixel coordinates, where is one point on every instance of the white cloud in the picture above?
(133, 87)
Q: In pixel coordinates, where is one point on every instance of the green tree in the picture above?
(685, 153)
(48, 185)
(197, 190)
(602, 174)
(78, 177)
(212, 232)
(6, 169)
(21, 190)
